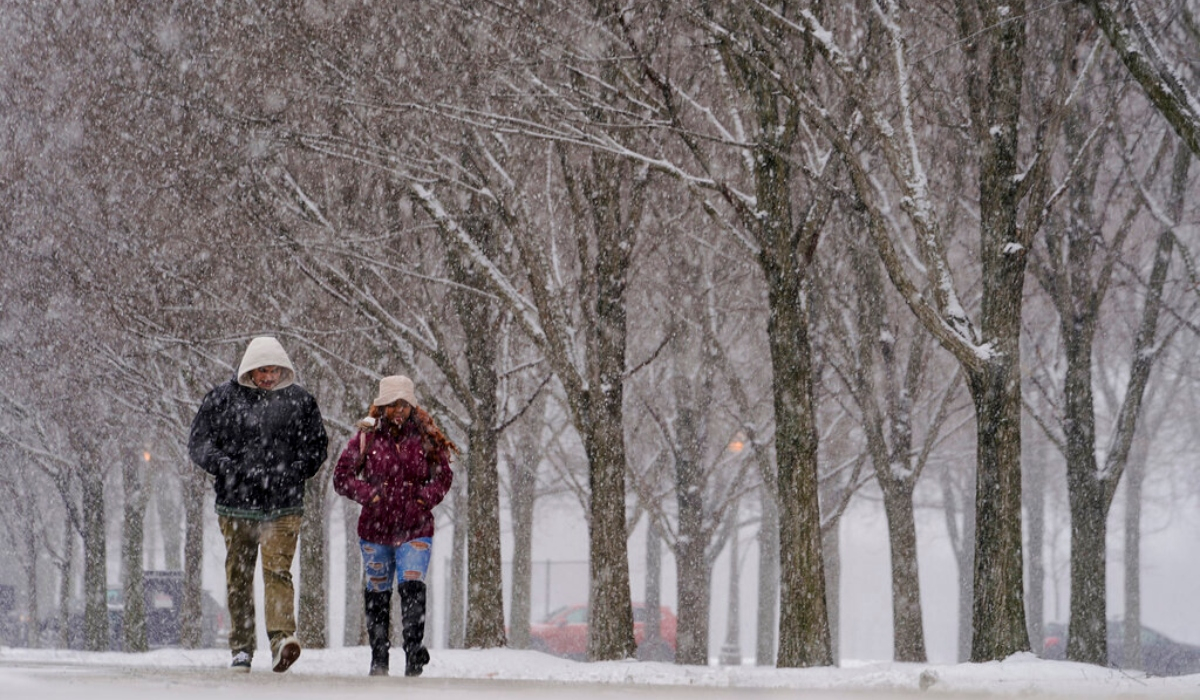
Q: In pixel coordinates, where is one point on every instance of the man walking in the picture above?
(261, 436)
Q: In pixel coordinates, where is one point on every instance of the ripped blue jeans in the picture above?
(383, 564)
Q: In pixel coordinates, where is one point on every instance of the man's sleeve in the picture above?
(315, 441)
(201, 441)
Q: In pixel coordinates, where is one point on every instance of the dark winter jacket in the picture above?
(260, 445)
(397, 488)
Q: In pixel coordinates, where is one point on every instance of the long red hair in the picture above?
(433, 439)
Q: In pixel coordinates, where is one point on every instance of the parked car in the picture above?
(164, 601)
(163, 595)
(564, 632)
(1161, 655)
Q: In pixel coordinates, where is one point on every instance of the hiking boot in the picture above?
(285, 654)
(241, 662)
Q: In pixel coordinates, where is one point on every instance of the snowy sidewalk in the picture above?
(503, 674)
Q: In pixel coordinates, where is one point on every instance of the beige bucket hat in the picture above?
(394, 388)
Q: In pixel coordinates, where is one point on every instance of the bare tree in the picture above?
(888, 379)
(1013, 200)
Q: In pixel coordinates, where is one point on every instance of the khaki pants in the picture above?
(277, 538)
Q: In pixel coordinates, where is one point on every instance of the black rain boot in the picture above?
(378, 608)
(412, 617)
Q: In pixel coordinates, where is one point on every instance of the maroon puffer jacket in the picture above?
(397, 487)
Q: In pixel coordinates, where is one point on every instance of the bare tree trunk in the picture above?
(962, 542)
(456, 580)
(653, 648)
(194, 486)
(168, 505)
(485, 570)
(831, 542)
(29, 540)
(312, 616)
(610, 609)
(768, 583)
(95, 548)
(1035, 522)
(485, 588)
(908, 628)
(354, 629)
(804, 631)
(998, 618)
(1134, 478)
(694, 578)
(64, 585)
(731, 650)
(132, 550)
(523, 484)
(998, 615)
(610, 612)
(1088, 639)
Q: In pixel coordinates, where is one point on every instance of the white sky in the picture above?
(503, 674)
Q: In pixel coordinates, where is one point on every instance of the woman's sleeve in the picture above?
(345, 477)
(438, 486)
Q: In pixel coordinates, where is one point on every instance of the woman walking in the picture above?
(398, 468)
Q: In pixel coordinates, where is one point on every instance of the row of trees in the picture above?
(612, 238)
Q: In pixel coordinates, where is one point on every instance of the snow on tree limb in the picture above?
(1130, 38)
(525, 308)
(945, 316)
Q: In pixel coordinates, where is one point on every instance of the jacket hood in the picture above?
(264, 351)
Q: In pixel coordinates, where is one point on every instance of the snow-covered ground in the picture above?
(503, 674)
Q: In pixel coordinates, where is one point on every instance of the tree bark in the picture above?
(312, 614)
(95, 547)
(998, 618)
(908, 629)
(768, 583)
(485, 570)
(1035, 520)
(133, 588)
(804, 635)
(1087, 641)
(1134, 479)
(168, 506)
(523, 484)
(831, 544)
(694, 578)
(610, 614)
(653, 648)
(456, 580)
(998, 613)
(354, 629)
(195, 487)
(65, 572)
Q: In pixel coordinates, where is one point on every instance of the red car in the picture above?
(564, 633)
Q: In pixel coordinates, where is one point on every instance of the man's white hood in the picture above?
(263, 351)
